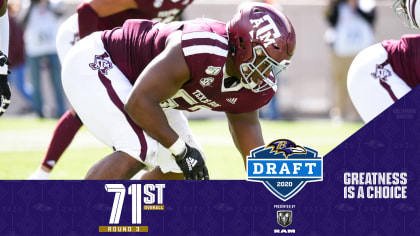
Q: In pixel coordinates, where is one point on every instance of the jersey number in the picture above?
(187, 98)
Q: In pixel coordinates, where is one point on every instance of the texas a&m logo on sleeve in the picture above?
(101, 63)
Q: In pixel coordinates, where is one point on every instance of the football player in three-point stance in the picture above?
(97, 15)
(383, 73)
(4, 62)
(130, 74)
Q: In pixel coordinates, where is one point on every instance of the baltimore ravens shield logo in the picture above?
(284, 167)
(284, 217)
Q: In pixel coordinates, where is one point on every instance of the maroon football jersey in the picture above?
(404, 57)
(156, 10)
(205, 47)
(136, 43)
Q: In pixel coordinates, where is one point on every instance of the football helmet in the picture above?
(262, 41)
(408, 11)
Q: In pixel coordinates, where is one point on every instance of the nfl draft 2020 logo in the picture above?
(284, 167)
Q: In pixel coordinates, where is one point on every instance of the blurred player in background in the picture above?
(384, 72)
(4, 61)
(350, 31)
(130, 74)
(92, 16)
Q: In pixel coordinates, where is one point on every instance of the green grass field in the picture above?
(23, 143)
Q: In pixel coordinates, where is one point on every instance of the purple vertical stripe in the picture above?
(386, 86)
(389, 90)
(116, 100)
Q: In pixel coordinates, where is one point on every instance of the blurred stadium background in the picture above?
(304, 100)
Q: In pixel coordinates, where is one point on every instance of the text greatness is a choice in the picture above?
(375, 185)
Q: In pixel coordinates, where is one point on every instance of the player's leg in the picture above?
(64, 132)
(69, 123)
(157, 174)
(123, 166)
(99, 104)
(372, 84)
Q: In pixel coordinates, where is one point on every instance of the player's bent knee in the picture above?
(157, 174)
(117, 165)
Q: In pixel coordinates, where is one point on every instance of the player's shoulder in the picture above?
(407, 40)
(161, 5)
(411, 41)
(204, 36)
(205, 24)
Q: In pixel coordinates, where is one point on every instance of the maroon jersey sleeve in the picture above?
(404, 57)
(205, 47)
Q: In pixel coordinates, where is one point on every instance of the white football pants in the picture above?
(373, 85)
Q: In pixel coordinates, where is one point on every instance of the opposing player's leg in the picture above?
(69, 123)
(96, 88)
(372, 84)
(63, 135)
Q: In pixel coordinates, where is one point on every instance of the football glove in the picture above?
(3, 59)
(192, 164)
(4, 86)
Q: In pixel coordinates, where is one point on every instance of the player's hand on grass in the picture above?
(5, 93)
(192, 164)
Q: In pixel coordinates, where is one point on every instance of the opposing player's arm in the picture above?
(160, 80)
(246, 131)
(110, 7)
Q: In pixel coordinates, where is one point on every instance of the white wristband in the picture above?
(178, 147)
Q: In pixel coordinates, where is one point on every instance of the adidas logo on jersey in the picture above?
(231, 100)
(191, 163)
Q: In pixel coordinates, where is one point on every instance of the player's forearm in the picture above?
(149, 116)
(247, 141)
(246, 132)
